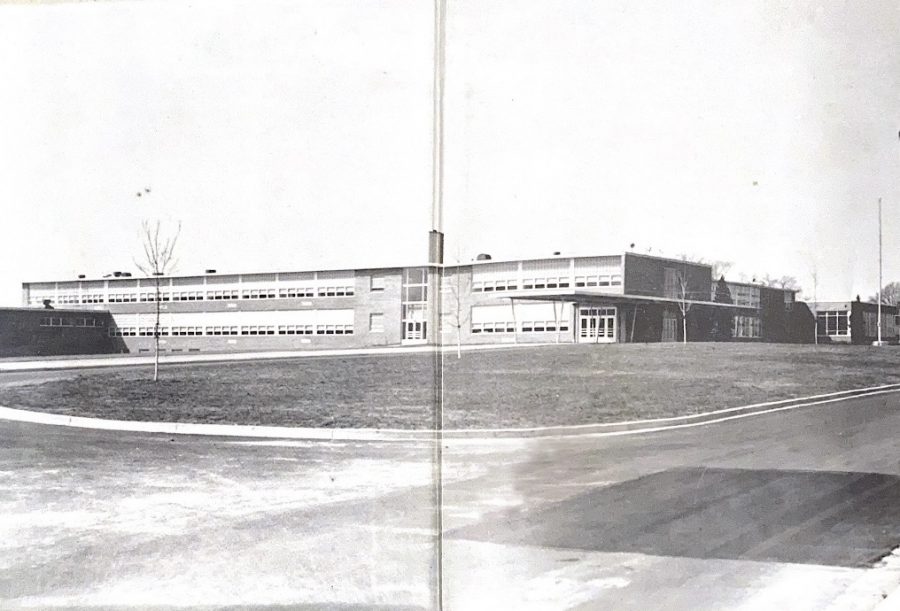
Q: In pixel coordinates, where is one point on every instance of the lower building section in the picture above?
(594, 319)
(855, 322)
(47, 332)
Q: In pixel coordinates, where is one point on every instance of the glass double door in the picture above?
(596, 325)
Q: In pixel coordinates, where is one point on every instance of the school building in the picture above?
(617, 298)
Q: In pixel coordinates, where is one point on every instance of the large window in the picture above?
(414, 304)
(746, 327)
(834, 323)
(743, 295)
(670, 288)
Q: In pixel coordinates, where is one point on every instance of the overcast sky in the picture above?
(295, 135)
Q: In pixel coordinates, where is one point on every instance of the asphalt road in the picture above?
(794, 509)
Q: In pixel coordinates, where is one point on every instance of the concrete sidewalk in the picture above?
(611, 429)
(119, 360)
(790, 510)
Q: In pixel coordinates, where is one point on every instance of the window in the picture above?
(221, 295)
(123, 331)
(123, 297)
(259, 294)
(295, 292)
(834, 323)
(670, 289)
(743, 295)
(376, 323)
(551, 282)
(187, 330)
(415, 293)
(258, 330)
(335, 291)
(376, 283)
(746, 327)
(541, 326)
(493, 327)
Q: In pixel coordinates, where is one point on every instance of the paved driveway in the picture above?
(792, 509)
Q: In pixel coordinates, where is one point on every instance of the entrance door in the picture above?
(414, 330)
(596, 325)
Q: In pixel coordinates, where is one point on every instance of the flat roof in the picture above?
(316, 270)
(54, 309)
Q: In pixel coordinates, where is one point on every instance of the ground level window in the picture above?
(746, 327)
(834, 322)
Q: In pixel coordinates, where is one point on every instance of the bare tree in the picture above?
(159, 260)
(814, 274)
(890, 295)
(783, 282)
(720, 268)
(456, 317)
(684, 300)
(812, 266)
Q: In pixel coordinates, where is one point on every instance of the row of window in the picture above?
(611, 280)
(524, 327)
(62, 321)
(150, 297)
(561, 282)
(233, 330)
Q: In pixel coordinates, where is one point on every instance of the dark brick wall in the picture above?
(647, 276)
(21, 334)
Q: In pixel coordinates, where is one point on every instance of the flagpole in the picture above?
(880, 283)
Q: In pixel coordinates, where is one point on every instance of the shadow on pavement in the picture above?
(810, 517)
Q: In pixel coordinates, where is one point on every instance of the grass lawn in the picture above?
(506, 388)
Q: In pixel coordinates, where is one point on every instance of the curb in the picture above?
(225, 357)
(360, 434)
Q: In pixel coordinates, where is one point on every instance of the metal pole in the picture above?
(436, 258)
(437, 170)
(879, 271)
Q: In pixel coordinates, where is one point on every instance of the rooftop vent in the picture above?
(81, 276)
(483, 257)
(556, 253)
(210, 271)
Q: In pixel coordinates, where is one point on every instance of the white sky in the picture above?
(293, 135)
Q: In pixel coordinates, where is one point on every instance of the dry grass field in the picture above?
(528, 386)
